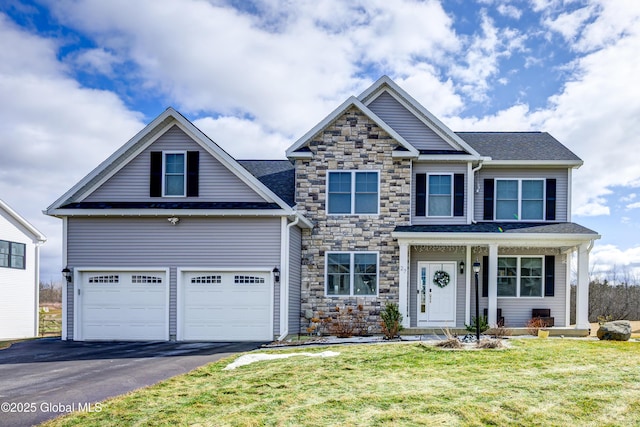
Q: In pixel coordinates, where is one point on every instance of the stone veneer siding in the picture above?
(351, 142)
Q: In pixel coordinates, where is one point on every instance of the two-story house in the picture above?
(172, 238)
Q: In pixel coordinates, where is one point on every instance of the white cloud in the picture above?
(569, 24)
(509, 10)
(595, 208)
(635, 205)
(609, 259)
(628, 198)
(97, 60)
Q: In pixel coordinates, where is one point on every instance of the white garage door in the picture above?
(225, 306)
(120, 305)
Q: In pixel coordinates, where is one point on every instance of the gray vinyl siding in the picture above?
(217, 183)
(418, 255)
(517, 311)
(562, 188)
(444, 168)
(295, 279)
(411, 128)
(153, 242)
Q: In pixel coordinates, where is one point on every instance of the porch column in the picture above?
(467, 286)
(403, 284)
(582, 290)
(492, 306)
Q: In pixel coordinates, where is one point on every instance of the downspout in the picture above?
(472, 206)
(284, 282)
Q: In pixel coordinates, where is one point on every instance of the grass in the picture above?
(535, 382)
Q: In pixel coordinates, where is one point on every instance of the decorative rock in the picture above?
(619, 330)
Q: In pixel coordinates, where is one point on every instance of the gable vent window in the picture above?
(206, 279)
(174, 174)
(248, 279)
(145, 279)
(12, 255)
(114, 278)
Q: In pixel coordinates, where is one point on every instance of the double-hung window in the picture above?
(440, 200)
(353, 192)
(519, 199)
(520, 276)
(175, 170)
(12, 255)
(352, 273)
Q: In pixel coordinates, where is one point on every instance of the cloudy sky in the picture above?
(79, 78)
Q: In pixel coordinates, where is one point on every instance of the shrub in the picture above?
(391, 321)
(485, 344)
(499, 332)
(347, 322)
(483, 324)
(534, 324)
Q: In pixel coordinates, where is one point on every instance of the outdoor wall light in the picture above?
(173, 220)
(461, 267)
(276, 274)
(67, 274)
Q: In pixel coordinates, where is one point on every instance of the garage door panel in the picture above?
(225, 306)
(124, 306)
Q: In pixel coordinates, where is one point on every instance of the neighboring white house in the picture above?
(19, 275)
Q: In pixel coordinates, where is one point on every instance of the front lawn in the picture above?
(535, 382)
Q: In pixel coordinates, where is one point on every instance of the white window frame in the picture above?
(450, 196)
(164, 173)
(519, 180)
(353, 173)
(351, 274)
(519, 276)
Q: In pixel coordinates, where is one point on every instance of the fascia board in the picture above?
(537, 163)
(351, 101)
(35, 233)
(414, 106)
(447, 158)
(504, 239)
(169, 212)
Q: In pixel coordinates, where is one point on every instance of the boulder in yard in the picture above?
(618, 330)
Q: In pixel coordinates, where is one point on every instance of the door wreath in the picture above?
(441, 278)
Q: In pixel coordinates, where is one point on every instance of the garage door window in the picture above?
(206, 280)
(248, 279)
(105, 279)
(145, 279)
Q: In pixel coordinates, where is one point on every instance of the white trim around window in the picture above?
(352, 192)
(520, 199)
(344, 274)
(165, 173)
(428, 213)
(519, 276)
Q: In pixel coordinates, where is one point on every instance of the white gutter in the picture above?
(472, 196)
(284, 282)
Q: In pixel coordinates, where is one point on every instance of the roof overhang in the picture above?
(169, 212)
(535, 163)
(36, 235)
(501, 239)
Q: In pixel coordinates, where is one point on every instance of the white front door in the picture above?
(437, 302)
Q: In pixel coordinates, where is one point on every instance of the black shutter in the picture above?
(155, 175)
(551, 200)
(193, 169)
(421, 194)
(488, 199)
(549, 275)
(485, 276)
(458, 194)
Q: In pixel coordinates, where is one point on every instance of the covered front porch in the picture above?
(521, 271)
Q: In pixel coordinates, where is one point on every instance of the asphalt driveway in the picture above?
(44, 378)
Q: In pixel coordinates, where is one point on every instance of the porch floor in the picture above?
(553, 332)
